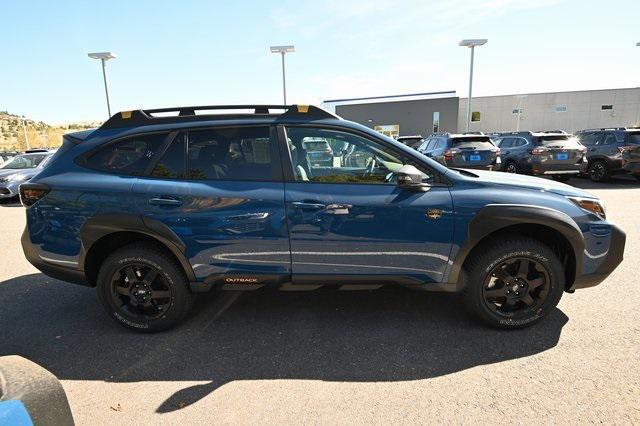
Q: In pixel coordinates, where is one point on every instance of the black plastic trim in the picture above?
(614, 257)
(101, 226)
(494, 217)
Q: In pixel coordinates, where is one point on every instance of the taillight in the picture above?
(32, 192)
(626, 148)
(538, 151)
(448, 154)
(582, 149)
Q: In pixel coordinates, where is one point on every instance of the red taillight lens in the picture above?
(538, 151)
(32, 192)
(448, 154)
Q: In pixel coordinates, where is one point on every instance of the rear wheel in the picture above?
(511, 167)
(513, 282)
(561, 178)
(598, 171)
(143, 289)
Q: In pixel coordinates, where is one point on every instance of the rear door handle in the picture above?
(165, 201)
(303, 205)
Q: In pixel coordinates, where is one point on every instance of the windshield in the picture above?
(30, 161)
(473, 143)
(559, 141)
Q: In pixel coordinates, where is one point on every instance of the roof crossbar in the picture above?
(148, 117)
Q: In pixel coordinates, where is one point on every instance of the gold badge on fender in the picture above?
(434, 214)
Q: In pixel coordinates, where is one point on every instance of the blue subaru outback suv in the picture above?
(152, 208)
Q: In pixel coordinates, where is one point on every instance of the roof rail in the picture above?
(148, 117)
(603, 128)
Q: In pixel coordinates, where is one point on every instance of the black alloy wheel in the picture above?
(141, 291)
(516, 286)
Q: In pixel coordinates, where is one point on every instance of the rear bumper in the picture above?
(633, 168)
(59, 272)
(558, 169)
(604, 264)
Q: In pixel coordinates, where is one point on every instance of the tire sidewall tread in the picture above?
(181, 300)
(493, 253)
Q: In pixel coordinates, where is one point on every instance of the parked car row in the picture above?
(597, 153)
(19, 169)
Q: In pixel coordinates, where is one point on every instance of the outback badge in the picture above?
(434, 214)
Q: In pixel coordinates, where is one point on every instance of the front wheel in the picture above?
(513, 282)
(143, 289)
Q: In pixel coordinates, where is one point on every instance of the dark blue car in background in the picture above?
(151, 208)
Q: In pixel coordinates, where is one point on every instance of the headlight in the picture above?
(592, 205)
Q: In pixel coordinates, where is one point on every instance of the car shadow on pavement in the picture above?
(392, 334)
(10, 203)
(616, 182)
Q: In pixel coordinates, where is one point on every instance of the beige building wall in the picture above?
(544, 111)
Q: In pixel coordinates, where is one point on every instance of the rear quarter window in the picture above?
(633, 138)
(129, 156)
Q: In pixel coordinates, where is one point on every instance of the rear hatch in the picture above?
(471, 151)
(559, 150)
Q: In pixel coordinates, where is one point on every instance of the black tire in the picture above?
(599, 171)
(158, 297)
(495, 300)
(561, 178)
(511, 167)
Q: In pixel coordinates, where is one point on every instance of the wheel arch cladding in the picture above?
(549, 226)
(101, 235)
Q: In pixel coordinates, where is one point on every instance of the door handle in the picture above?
(165, 201)
(308, 205)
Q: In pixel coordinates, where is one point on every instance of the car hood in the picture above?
(22, 172)
(529, 182)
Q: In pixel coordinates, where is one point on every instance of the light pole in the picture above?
(520, 102)
(638, 119)
(471, 43)
(283, 50)
(104, 57)
(24, 130)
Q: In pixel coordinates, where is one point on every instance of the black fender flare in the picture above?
(101, 225)
(494, 217)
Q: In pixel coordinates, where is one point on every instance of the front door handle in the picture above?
(165, 201)
(303, 205)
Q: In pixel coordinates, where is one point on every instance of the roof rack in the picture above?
(148, 117)
(603, 128)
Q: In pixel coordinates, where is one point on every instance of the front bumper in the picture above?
(596, 268)
(9, 190)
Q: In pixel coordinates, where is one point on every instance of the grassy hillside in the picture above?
(38, 133)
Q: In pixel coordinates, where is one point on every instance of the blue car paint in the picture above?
(14, 413)
(254, 228)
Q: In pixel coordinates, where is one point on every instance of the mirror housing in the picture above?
(409, 177)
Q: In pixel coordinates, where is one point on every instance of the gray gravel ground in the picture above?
(385, 356)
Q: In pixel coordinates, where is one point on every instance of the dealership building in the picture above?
(423, 113)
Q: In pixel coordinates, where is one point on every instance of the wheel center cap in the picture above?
(514, 288)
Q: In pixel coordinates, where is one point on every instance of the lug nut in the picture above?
(517, 293)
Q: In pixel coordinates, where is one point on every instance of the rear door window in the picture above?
(128, 156)
(172, 165)
(238, 153)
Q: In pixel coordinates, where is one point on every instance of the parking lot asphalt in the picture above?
(391, 355)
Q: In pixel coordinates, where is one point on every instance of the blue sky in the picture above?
(216, 52)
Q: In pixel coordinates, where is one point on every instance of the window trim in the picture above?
(287, 164)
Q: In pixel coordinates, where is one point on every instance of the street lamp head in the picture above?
(282, 49)
(102, 55)
(473, 42)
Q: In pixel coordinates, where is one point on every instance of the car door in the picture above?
(353, 225)
(220, 191)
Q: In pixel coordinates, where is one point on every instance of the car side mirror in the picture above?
(409, 177)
